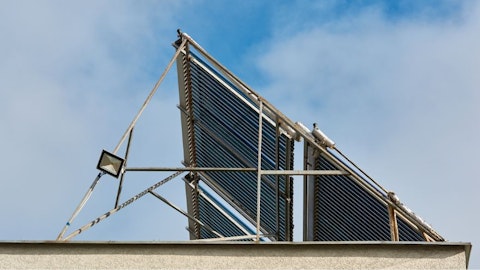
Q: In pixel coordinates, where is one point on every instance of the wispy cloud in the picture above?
(395, 85)
(73, 75)
(400, 96)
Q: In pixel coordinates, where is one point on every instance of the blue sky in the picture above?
(395, 85)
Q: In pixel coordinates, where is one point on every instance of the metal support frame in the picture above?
(118, 208)
(267, 110)
(122, 176)
(308, 198)
(217, 169)
(392, 215)
(127, 132)
(300, 132)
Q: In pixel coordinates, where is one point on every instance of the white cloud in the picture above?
(393, 94)
(73, 76)
(401, 98)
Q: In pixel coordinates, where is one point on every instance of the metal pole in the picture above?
(277, 182)
(264, 172)
(289, 196)
(120, 183)
(306, 205)
(80, 205)
(189, 169)
(259, 166)
(300, 172)
(118, 208)
(393, 223)
(132, 124)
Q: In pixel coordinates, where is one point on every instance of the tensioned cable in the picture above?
(186, 214)
(358, 168)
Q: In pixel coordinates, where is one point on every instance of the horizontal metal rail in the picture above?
(263, 172)
(302, 172)
(189, 169)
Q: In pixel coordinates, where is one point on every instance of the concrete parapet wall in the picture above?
(198, 255)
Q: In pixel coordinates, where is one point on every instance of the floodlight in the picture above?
(110, 163)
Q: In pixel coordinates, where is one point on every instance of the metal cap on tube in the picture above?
(323, 138)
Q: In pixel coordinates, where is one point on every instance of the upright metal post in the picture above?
(259, 166)
(393, 223)
(288, 193)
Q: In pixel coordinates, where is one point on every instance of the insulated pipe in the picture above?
(323, 138)
(302, 127)
(290, 131)
(394, 198)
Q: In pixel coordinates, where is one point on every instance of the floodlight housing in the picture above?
(110, 163)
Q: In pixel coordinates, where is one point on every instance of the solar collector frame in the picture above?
(283, 126)
(220, 129)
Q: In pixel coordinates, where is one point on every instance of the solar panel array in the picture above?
(344, 211)
(224, 134)
(220, 124)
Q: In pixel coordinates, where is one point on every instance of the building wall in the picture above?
(184, 255)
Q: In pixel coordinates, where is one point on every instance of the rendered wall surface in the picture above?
(189, 255)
